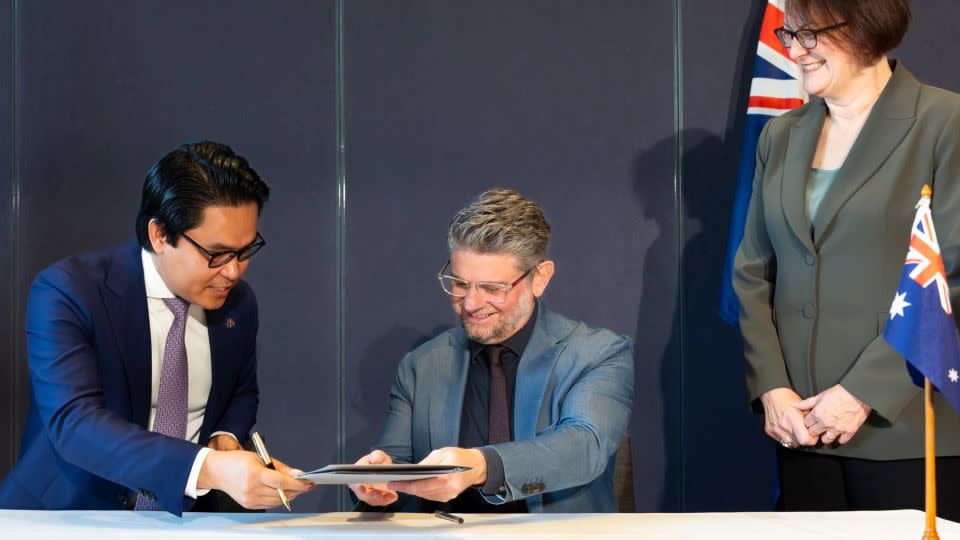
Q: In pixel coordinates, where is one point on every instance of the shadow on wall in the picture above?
(713, 369)
(711, 442)
(700, 368)
(655, 428)
(378, 366)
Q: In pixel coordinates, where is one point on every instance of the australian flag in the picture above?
(776, 88)
(921, 325)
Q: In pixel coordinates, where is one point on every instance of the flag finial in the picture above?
(926, 191)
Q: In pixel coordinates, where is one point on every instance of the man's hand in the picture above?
(446, 487)
(374, 494)
(242, 476)
(834, 414)
(782, 421)
(224, 443)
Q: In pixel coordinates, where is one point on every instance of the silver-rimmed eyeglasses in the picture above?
(491, 291)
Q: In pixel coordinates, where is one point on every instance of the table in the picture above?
(104, 525)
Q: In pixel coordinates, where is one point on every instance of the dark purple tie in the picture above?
(171, 417)
(498, 413)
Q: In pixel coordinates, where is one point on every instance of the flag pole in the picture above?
(931, 463)
(931, 447)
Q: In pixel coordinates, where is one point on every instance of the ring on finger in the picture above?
(786, 443)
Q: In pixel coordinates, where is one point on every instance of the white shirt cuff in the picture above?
(215, 433)
(191, 489)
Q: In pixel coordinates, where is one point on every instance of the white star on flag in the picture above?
(952, 374)
(899, 302)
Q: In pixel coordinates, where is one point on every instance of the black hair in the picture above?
(186, 181)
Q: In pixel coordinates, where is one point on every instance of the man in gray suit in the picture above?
(534, 403)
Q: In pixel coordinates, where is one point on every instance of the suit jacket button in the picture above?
(123, 500)
(808, 311)
(810, 259)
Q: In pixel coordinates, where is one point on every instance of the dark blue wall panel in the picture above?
(564, 101)
(929, 49)
(8, 375)
(723, 444)
(109, 87)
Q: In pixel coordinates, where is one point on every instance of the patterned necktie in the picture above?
(171, 417)
(498, 413)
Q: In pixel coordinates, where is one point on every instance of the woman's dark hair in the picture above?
(194, 177)
(873, 28)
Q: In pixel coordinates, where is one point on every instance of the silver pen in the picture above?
(268, 463)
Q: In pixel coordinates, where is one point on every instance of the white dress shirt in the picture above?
(199, 377)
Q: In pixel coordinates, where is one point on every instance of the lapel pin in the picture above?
(230, 322)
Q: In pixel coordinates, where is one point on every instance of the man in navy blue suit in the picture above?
(143, 356)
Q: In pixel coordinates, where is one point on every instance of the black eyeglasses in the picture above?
(491, 291)
(220, 258)
(807, 36)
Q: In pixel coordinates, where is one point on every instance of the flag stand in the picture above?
(931, 463)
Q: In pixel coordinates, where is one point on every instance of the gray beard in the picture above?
(508, 325)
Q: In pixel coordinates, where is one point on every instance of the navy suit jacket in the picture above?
(572, 405)
(86, 443)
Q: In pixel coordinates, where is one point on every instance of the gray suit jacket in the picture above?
(814, 303)
(573, 398)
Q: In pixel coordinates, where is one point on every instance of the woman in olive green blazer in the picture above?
(822, 254)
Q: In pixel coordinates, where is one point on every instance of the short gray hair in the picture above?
(502, 221)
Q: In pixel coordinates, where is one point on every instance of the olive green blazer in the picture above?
(815, 297)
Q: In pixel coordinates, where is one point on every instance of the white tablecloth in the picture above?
(94, 525)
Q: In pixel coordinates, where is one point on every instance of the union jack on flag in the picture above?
(925, 254)
(776, 88)
(921, 326)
